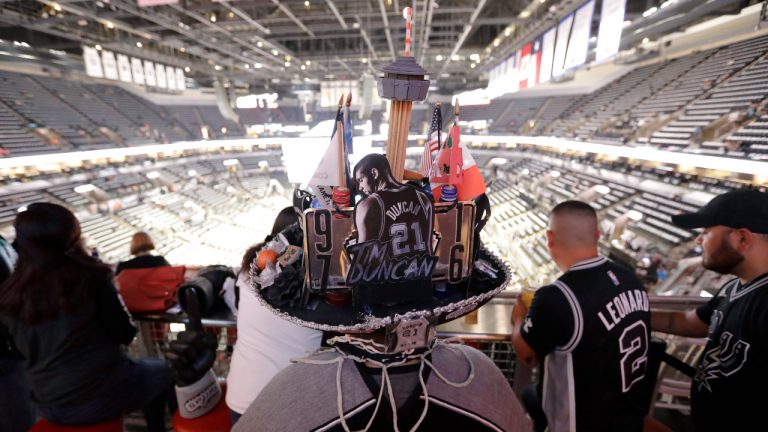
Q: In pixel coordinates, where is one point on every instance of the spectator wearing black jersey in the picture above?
(731, 370)
(590, 329)
(68, 321)
(141, 248)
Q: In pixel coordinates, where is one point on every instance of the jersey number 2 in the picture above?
(633, 344)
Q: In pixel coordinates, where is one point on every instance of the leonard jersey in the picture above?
(731, 378)
(591, 328)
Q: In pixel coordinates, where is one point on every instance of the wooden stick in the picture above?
(412, 175)
(340, 147)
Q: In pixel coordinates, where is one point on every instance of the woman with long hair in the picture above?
(68, 321)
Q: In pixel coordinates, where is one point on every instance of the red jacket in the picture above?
(150, 289)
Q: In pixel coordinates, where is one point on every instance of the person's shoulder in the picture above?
(369, 203)
(460, 358)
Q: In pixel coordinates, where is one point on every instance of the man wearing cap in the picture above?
(726, 393)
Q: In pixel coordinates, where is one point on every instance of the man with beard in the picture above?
(731, 370)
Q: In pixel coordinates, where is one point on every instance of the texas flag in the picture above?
(466, 176)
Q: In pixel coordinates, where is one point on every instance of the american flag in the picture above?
(433, 142)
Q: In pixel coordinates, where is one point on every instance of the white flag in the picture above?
(326, 174)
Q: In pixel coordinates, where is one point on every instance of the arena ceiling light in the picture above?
(635, 215)
(83, 189)
(602, 189)
(153, 175)
(230, 162)
(499, 161)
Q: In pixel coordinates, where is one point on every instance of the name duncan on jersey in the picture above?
(401, 207)
(621, 306)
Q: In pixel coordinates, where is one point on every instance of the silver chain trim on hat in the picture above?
(372, 323)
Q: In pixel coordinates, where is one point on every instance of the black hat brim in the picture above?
(693, 220)
(467, 297)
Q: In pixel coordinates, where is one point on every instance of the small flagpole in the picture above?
(408, 15)
(440, 126)
(340, 144)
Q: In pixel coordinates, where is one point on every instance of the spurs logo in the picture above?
(527, 324)
(721, 361)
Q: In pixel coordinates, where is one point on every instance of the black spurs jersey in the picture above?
(406, 215)
(591, 329)
(728, 390)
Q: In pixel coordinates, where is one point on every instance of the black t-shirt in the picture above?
(143, 261)
(732, 374)
(7, 350)
(67, 358)
(591, 329)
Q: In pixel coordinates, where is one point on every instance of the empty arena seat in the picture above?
(44, 425)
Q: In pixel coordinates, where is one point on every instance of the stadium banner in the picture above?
(547, 54)
(92, 62)
(510, 82)
(535, 65)
(611, 24)
(181, 80)
(149, 74)
(563, 33)
(578, 44)
(110, 65)
(138, 71)
(170, 76)
(124, 68)
(525, 65)
(160, 76)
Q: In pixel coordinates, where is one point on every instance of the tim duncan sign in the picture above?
(389, 246)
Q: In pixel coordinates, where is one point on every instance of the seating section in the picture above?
(205, 218)
(588, 113)
(754, 137)
(222, 128)
(675, 104)
(69, 127)
(156, 123)
(517, 114)
(735, 93)
(91, 106)
(17, 138)
(553, 108)
(681, 84)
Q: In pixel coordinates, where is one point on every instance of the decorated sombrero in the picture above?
(395, 258)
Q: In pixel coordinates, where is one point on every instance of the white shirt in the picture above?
(265, 345)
